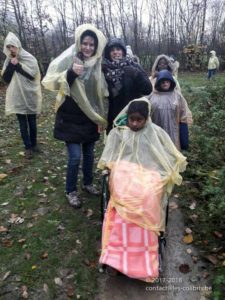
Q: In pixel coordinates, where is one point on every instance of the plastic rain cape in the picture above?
(89, 90)
(169, 109)
(144, 166)
(172, 66)
(23, 96)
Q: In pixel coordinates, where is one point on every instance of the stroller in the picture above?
(104, 203)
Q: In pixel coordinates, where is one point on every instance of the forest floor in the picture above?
(48, 250)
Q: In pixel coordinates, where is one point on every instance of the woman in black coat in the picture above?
(77, 76)
(126, 79)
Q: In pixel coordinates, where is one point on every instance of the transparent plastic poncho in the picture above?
(144, 166)
(89, 90)
(169, 109)
(23, 96)
(172, 66)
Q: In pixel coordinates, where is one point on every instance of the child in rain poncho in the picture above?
(163, 62)
(80, 105)
(23, 95)
(170, 110)
(144, 165)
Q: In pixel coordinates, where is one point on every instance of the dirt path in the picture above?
(173, 284)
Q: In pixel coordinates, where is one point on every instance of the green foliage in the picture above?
(214, 191)
(218, 285)
(208, 143)
(69, 237)
(206, 170)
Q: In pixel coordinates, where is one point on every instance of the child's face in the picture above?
(162, 64)
(13, 50)
(136, 121)
(165, 85)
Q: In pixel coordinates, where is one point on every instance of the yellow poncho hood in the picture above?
(23, 96)
(89, 90)
(213, 61)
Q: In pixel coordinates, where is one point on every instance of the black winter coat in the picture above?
(11, 68)
(135, 84)
(71, 124)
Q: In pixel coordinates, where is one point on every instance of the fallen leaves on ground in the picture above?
(45, 288)
(7, 242)
(89, 213)
(16, 169)
(4, 203)
(70, 291)
(193, 217)
(30, 225)
(217, 250)
(188, 239)
(189, 251)
(34, 267)
(6, 275)
(21, 241)
(173, 205)
(3, 175)
(61, 227)
(205, 242)
(58, 281)
(212, 258)
(24, 292)
(3, 229)
(205, 274)
(188, 230)
(27, 256)
(176, 195)
(193, 205)
(218, 234)
(44, 255)
(15, 219)
(194, 259)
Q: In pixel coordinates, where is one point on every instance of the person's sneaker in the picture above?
(36, 149)
(91, 189)
(28, 153)
(74, 200)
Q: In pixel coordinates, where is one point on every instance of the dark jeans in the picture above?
(211, 73)
(28, 130)
(74, 155)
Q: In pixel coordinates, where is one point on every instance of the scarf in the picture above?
(114, 70)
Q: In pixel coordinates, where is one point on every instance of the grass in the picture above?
(205, 173)
(55, 240)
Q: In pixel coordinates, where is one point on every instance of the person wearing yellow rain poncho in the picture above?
(80, 104)
(23, 95)
(170, 110)
(163, 62)
(213, 64)
(144, 165)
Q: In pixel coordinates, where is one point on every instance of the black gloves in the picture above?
(131, 71)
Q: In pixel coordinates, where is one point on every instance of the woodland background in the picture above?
(151, 27)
